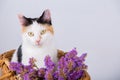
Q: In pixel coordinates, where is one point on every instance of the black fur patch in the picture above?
(29, 21)
(44, 22)
(19, 54)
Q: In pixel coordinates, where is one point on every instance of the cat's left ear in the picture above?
(45, 18)
(23, 20)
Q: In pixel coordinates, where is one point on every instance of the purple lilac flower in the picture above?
(32, 62)
(41, 72)
(50, 66)
(18, 67)
(75, 75)
(71, 54)
(48, 63)
(49, 75)
(26, 77)
(68, 64)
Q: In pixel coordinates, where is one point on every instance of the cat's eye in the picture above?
(30, 34)
(43, 32)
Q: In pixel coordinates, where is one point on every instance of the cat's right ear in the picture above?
(45, 18)
(23, 20)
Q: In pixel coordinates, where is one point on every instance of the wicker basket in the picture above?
(7, 74)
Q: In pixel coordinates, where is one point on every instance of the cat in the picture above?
(37, 40)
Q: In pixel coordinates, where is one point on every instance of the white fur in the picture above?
(31, 49)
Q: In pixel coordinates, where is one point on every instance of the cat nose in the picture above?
(38, 40)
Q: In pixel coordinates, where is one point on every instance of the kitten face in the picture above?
(37, 31)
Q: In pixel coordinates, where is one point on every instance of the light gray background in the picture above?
(93, 26)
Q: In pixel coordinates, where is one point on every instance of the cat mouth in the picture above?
(38, 44)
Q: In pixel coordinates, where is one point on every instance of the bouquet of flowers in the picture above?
(69, 67)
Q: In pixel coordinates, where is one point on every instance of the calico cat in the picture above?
(37, 39)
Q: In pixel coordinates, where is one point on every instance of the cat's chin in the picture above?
(38, 45)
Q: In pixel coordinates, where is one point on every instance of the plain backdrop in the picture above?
(92, 26)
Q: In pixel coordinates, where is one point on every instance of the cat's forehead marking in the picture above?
(37, 27)
(31, 27)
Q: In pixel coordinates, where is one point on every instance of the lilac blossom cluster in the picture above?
(69, 67)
